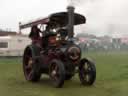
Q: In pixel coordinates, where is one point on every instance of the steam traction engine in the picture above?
(61, 57)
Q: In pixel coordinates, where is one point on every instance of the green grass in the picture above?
(112, 79)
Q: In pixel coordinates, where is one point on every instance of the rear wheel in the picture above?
(87, 72)
(31, 72)
(57, 73)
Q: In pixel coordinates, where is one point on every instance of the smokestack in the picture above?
(70, 10)
(20, 28)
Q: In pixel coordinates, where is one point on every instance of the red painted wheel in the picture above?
(57, 73)
(30, 72)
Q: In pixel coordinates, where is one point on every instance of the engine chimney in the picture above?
(20, 28)
(70, 10)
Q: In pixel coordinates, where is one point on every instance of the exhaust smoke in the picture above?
(104, 17)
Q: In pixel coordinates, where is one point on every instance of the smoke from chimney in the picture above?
(101, 14)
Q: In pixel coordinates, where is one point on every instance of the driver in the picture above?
(63, 33)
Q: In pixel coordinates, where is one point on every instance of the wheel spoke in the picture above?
(29, 63)
(55, 78)
(54, 72)
(87, 78)
(56, 67)
(86, 71)
(30, 74)
(27, 67)
(87, 68)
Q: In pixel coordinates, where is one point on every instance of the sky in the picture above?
(103, 16)
(14, 11)
(107, 16)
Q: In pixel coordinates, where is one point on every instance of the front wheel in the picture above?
(87, 72)
(57, 73)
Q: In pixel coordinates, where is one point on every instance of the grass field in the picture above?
(112, 79)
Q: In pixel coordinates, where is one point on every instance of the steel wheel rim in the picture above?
(28, 67)
(86, 72)
(54, 72)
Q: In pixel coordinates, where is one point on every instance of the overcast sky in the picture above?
(101, 15)
(107, 15)
(13, 11)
